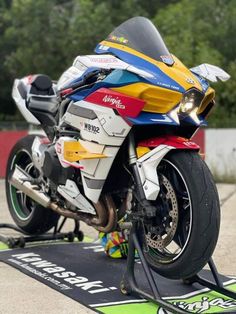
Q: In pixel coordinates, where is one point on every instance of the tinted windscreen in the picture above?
(140, 34)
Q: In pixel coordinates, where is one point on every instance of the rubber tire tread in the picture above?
(205, 218)
(42, 219)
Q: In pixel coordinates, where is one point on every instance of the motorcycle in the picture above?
(118, 149)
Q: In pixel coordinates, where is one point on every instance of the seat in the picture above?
(42, 97)
(41, 84)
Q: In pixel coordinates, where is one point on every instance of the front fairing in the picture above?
(139, 43)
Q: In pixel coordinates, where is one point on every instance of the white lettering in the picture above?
(42, 264)
(65, 274)
(52, 270)
(89, 285)
(99, 290)
(31, 259)
(23, 255)
(114, 101)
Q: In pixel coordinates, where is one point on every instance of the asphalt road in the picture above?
(24, 295)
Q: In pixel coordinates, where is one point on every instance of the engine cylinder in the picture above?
(53, 169)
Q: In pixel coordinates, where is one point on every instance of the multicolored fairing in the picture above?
(141, 67)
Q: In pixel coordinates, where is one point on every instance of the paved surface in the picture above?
(24, 295)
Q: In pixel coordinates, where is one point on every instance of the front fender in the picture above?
(148, 162)
(176, 142)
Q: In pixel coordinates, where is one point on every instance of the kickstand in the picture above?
(20, 241)
(129, 284)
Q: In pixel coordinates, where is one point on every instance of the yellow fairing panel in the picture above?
(209, 96)
(74, 151)
(158, 99)
(141, 150)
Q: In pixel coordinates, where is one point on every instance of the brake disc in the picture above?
(158, 241)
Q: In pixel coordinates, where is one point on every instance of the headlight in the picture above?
(190, 102)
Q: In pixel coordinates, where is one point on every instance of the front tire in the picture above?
(28, 215)
(184, 243)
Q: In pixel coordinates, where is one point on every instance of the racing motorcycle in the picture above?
(118, 149)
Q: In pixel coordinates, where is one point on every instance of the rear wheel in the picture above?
(28, 215)
(183, 236)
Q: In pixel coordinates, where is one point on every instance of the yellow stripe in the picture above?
(178, 72)
(157, 99)
(74, 151)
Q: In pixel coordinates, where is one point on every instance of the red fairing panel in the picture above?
(170, 140)
(126, 106)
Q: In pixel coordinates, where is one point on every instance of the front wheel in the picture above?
(182, 237)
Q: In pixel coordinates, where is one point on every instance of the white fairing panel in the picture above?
(21, 93)
(147, 165)
(94, 179)
(74, 72)
(107, 61)
(102, 131)
(20, 102)
(105, 127)
(211, 72)
(71, 192)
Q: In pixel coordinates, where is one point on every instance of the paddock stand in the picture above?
(129, 285)
(20, 241)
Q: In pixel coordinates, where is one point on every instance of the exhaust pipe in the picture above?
(21, 181)
(105, 220)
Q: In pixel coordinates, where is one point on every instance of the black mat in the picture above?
(83, 273)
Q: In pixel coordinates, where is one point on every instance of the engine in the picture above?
(46, 161)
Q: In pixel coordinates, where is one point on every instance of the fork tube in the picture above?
(134, 166)
(132, 149)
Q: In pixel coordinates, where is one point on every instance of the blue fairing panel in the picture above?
(159, 78)
(122, 77)
(117, 78)
(189, 120)
(152, 118)
(204, 83)
(146, 118)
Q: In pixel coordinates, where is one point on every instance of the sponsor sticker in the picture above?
(203, 304)
(167, 59)
(121, 40)
(103, 47)
(113, 101)
(91, 128)
(104, 60)
(57, 275)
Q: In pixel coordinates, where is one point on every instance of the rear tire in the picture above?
(28, 215)
(197, 228)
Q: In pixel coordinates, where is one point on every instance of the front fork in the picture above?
(149, 210)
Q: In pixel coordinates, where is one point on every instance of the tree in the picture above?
(37, 35)
(202, 32)
(45, 36)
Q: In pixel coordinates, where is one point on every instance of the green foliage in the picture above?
(45, 36)
(204, 32)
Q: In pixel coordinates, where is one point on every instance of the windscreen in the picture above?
(141, 35)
